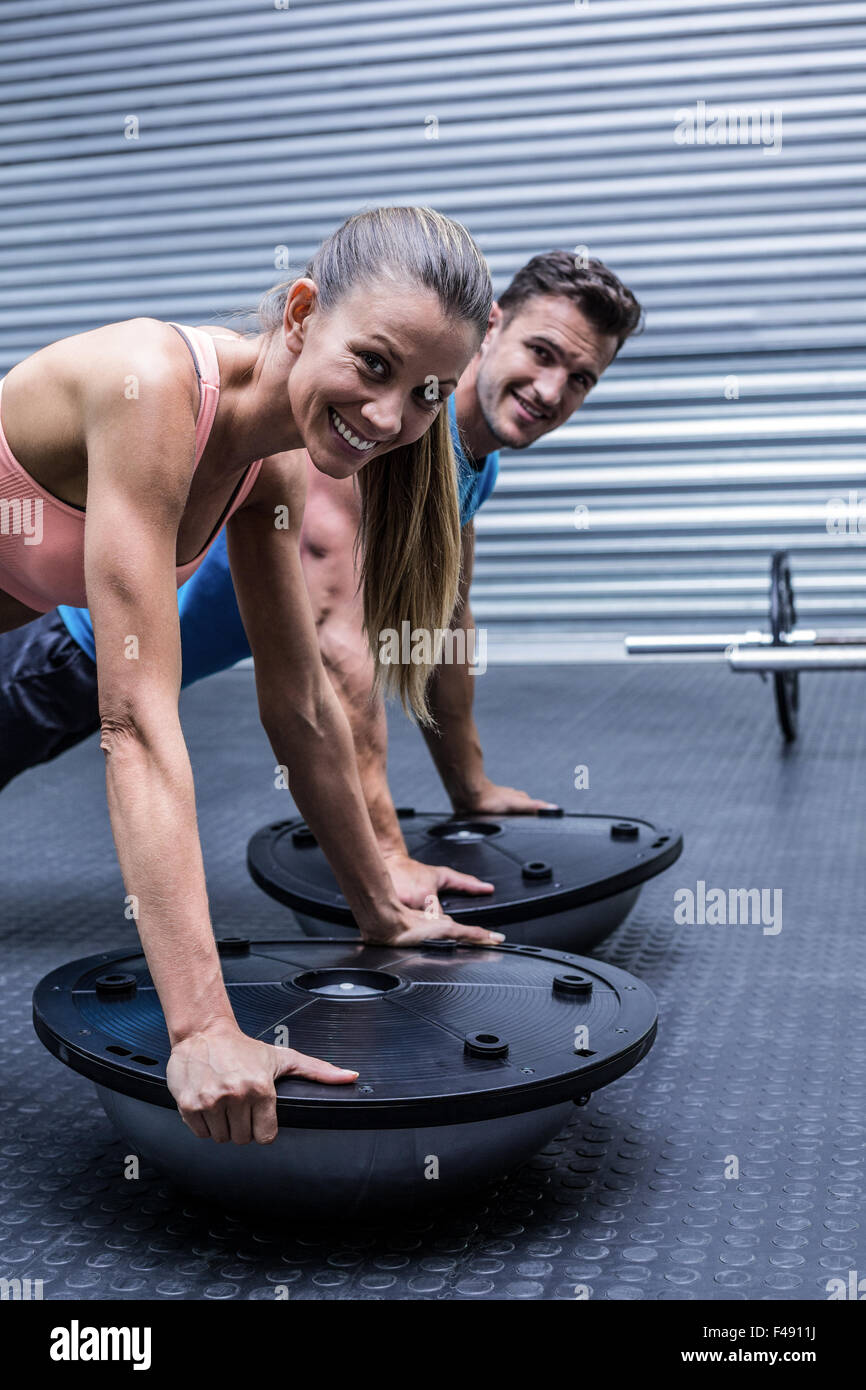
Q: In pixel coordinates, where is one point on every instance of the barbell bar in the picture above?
(791, 659)
(782, 652)
(719, 643)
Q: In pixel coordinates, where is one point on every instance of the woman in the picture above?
(123, 451)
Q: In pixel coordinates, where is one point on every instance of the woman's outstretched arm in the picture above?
(140, 456)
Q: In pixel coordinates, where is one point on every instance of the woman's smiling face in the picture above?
(370, 374)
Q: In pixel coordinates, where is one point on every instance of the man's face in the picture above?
(537, 368)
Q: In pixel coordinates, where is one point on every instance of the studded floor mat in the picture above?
(728, 1166)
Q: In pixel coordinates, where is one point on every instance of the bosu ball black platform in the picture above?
(470, 1059)
(561, 879)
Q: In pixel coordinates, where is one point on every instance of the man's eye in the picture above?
(539, 351)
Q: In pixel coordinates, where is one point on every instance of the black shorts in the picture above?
(48, 695)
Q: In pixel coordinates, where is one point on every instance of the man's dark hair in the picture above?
(599, 294)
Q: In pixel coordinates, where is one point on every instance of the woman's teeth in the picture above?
(362, 445)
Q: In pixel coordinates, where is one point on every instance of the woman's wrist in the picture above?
(190, 1028)
(199, 1011)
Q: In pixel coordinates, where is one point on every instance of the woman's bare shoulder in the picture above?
(100, 357)
(217, 331)
(53, 398)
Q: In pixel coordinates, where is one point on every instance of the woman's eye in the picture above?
(431, 403)
(373, 361)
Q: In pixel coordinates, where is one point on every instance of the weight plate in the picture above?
(783, 619)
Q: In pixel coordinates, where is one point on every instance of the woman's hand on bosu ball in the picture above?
(224, 1082)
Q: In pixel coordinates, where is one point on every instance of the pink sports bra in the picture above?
(42, 538)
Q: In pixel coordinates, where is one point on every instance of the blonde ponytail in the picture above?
(410, 556)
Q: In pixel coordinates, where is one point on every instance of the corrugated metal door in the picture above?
(155, 157)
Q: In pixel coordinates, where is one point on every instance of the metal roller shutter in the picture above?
(260, 127)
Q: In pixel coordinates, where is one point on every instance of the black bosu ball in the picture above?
(562, 880)
(470, 1059)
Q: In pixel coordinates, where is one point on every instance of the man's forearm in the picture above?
(454, 743)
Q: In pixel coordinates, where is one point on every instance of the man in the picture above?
(552, 334)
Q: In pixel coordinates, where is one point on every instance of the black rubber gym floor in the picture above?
(757, 1071)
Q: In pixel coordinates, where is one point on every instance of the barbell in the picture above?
(783, 652)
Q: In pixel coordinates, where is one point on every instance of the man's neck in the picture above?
(478, 439)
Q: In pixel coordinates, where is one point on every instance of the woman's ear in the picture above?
(301, 302)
